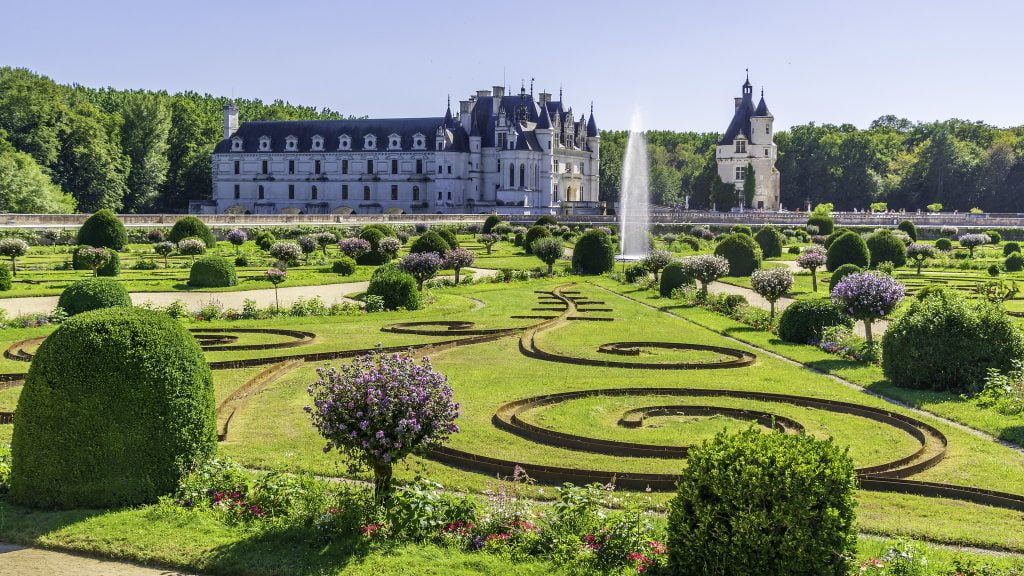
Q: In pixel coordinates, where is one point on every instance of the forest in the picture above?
(67, 148)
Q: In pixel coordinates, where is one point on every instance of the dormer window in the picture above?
(344, 142)
(419, 141)
(291, 143)
(369, 142)
(741, 146)
(394, 142)
(318, 142)
(236, 144)
(264, 143)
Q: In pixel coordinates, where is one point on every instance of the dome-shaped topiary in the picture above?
(546, 220)
(944, 244)
(848, 248)
(741, 229)
(344, 266)
(212, 272)
(842, 272)
(804, 320)
(1010, 248)
(908, 227)
(742, 252)
(823, 222)
(770, 241)
(430, 241)
(672, 277)
(884, 246)
(118, 404)
(594, 253)
(532, 235)
(398, 289)
(489, 224)
(103, 230)
(1013, 263)
(372, 234)
(448, 233)
(93, 293)
(189, 227)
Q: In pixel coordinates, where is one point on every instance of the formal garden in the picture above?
(507, 397)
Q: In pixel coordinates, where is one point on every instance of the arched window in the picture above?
(511, 175)
(522, 175)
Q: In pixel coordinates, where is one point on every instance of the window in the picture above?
(767, 130)
(238, 191)
(394, 142)
(318, 143)
(260, 190)
(291, 166)
(394, 192)
(344, 142)
(366, 192)
(236, 144)
(449, 194)
(556, 166)
(291, 191)
(344, 191)
(522, 175)
(237, 166)
(264, 143)
(449, 168)
(394, 166)
(439, 197)
(439, 169)
(556, 193)
(344, 166)
(312, 193)
(583, 168)
(415, 193)
(419, 166)
(502, 140)
(291, 142)
(316, 166)
(265, 166)
(511, 175)
(741, 173)
(766, 151)
(741, 146)
(370, 142)
(369, 166)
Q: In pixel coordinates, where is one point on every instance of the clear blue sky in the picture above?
(681, 62)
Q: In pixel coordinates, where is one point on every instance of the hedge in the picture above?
(398, 289)
(742, 252)
(189, 227)
(593, 253)
(70, 449)
(532, 235)
(804, 321)
(849, 248)
(103, 230)
(92, 294)
(212, 272)
(430, 241)
(770, 241)
(884, 246)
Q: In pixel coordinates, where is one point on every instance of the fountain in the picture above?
(633, 196)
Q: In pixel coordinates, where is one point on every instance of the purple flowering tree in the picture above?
(13, 248)
(972, 241)
(164, 249)
(656, 261)
(191, 247)
(155, 236)
(771, 284)
(94, 258)
(276, 276)
(308, 245)
(705, 268)
(868, 296)
(389, 247)
(354, 247)
(919, 253)
(286, 252)
(381, 408)
(422, 266)
(489, 240)
(458, 259)
(237, 236)
(812, 259)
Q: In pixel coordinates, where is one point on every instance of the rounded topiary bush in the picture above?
(672, 277)
(397, 289)
(92, 294)
(771, 241)
(265, 239)
(849, 248)
(212, 272)
(805, 320)
(71, 447)
(373, 235)
(489, 224)
(546, 220)
(1010, 248)
(763, 503)
(532, 235)
(908, 227)
(742, 252)
(594, 253)
(949, 343)
(430, 241)
(103, 230)
(6, 279)
(191, 227)
(944, 244)
(823, 222)
(449, 236)
(741, 229)
(993, 236)
(842, 272)
(344, 266)
(1014, 262)
(884, 246)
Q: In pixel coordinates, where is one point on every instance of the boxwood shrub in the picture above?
(804, 320)
(908, 227)
(532, 235)
(344, 266)
(943, 244)
(842, 272)
(741, 229)
(373, 235)
(737, 491)
(212, 272)
(546, 220)
(823, 222)
(770, 241)
(430, 241)
(449, 236)
(1010, 248)
(672, 277)
(92, 294)
(489, 224)
(848, 248)
(71, 449)
(1014, 262)
(594, 253)
(265, 239)
(103, 230)
(189, 227)
(397, 289)
(6, 280)
(884, 246)
(742, 252)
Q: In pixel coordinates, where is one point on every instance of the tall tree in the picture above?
(25, 186)
(147, 123)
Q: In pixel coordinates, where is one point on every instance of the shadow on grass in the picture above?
(285, 550)
(1013, 434)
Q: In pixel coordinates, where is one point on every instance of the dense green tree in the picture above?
(25, 186)
(147, 123)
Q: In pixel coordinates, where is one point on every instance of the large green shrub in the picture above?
(949, 343)
(672, 277)
(848, 248)
(823, 222)
(884, 246)
(804, 320)
(189, 227)
(546, 220)
(448, 233)
(103, 230)
(766, 504)
(742, 252)
(1010, 248)
(265, 239)
(344, 266)
(1014, 262)
(594, 253)
(842, 272)
(943, 244)
(93, 293)
(6, 280)
(373, 235)
(741, 229)
(771, 241)
(398, 289)
(908, 227)
(117, 406)
(532, 235)
(430, 241)
(112, 267)
(489, 224)
(212, 272)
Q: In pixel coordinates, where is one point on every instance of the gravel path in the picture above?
(19, 561)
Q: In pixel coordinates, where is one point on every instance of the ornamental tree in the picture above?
(276, 276)
(868, 296)
(13, 248)
(919, 253)
(308, 245)
(771, 284)
(456, 260)
(549, 250)
(811, 259)
(705, 268)
(93, 258)
(489, 240)
(324, 239)
(936, 207)
(164, 249)
(381, 408)
(192, 247)
(656, 261)
(389, 247)
(354, 247)
(286, 252)
(972, 241)
(236, 236)
(421, 266)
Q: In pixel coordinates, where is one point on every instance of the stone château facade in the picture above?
(748, 145)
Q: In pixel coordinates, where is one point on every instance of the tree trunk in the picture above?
(14, 267)
(381, 483)
(814, 280)
(419, 284)
(277, 303)
(919, 262)
(867, 331)
(456, 276)
(655, 274)
(771, 305)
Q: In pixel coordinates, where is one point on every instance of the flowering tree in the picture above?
(13, 248)
(192, 247)
(972, 241)
(164, 249)
(656, 261)
(286, 252)
(354, 247)
(308, 245)
(868, 296)
(919, 253)
(489, 240)
(458, 259)
(389, 247)
(379, 409)
(705, 268)
(94, 258)
(276, 276)
(421, 265)
(236, 236)
(812, 259)
(771, 284)
(155, 236)
(549, 250)
(324, 239)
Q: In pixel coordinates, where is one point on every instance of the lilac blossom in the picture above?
(354, 247)
(422, 266)
(656, 261)
(389, 247)
(489, 240)
(236, 236)
(812, 259)
(868, 296)
(972, 241)
(705, 268)
(771, 284)
(458, 259)
(919, 253)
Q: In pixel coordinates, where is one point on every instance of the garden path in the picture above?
(16, 560)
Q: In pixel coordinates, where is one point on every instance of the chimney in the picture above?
(738, 101)
(499, 91)
(545, 97)
(483, 93)
(230, 120)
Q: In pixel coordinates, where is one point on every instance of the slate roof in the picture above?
(331, 130)
(740, 124)
(762, 107)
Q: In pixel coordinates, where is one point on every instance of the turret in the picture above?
(761, 123)
(543, 129)
(230, 120)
